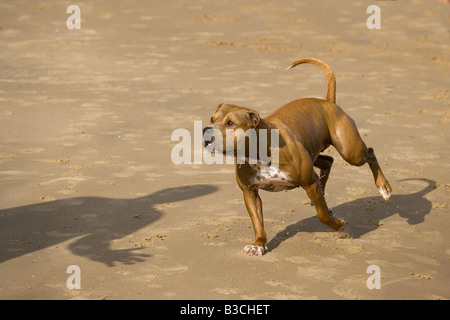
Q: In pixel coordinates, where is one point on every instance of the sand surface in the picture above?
(87, 179)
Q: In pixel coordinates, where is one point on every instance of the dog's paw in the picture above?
(252, 250)
(384, 187)
(385, 193)
(338, 224)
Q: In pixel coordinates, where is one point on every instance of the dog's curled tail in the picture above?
(331, 79)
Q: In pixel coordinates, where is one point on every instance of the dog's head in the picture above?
(229, 119)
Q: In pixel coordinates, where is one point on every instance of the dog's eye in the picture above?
(212, 120)
(229, 123)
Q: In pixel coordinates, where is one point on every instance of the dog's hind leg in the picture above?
(351, 147)
(380, 180)
(315, 194)
(324, 163)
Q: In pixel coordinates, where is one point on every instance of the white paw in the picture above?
(385, 194)
(252, 250)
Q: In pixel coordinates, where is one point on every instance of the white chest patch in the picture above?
(271, 178)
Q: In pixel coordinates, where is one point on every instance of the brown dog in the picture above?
(306, 128)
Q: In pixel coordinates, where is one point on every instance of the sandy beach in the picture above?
(87, 178)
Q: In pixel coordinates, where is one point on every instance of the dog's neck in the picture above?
(264, 140)
(263, 124)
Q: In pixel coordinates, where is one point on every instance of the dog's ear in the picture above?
(219, 106)
(254, 118)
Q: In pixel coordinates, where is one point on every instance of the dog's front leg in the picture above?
(254, 208)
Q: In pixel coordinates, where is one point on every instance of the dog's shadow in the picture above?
(365, 215)
(89, 223)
